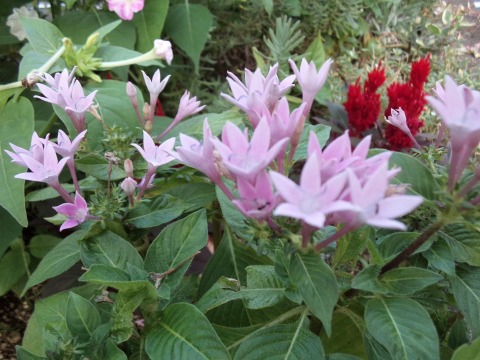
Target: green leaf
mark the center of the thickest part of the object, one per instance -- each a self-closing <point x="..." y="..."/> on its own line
<point x="176" y="338"/>
<point x="16" y="127"/>
<point x="374" y="350"/>
<point x="12" y="267"/>
<point x="42" y="35"/>
<point x="463" y="241"/>
<point x="23" y="354"/>
<point x="282" y="342"/>
<point x="97" y="166"/>
<point x="47" y="193"/>
<point x="393" y="244"/>
<point x="468" y="351"/>
<point x="466" y="290"/>
<point x="196" y="195"/>
<point x="189" y="25"/>
<point x="9" y="228"/>
<point x="408" y="280"/>
<point x="33" y="60"/>
<point x="82" y="317"/>
<point x="175" y="246"/>
<point x="223" y="291"/>
<point x="109" y="249"/>
<point x="61" y="258"/>
<point x="367" y="280"/>
<point x="316" y="51"/>
<point x="351" y="245"/>
<point x="317" y="284"/>
<point x="122" y="314"/>
<point x="403" y="327"/>
<point x="230" y="260"/>
<point x="149" y="23"/>
<point x="264" y="289"/>
<point x="440" y="257"/>
<point x="162" y="210"/>
<point x="268" y="6"/>
<point x="41" y="245"/>
<point x="348" y="329"/>
<point x="323" y="134"/>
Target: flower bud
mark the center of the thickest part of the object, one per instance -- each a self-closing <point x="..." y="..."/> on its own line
<point x="146" y="110"/>
<point x="163" y="49"/>
<point x="148" y="126"/>
<point x="129" y="185"/>
<point x="131" y="91"/>
<point x="128" y="166"/>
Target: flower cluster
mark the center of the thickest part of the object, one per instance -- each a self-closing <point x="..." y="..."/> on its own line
<point x="42" y="161"/>
<point x="67" y="92"/>
<point x="410" y="96"/>
<point x="363" y="107"/>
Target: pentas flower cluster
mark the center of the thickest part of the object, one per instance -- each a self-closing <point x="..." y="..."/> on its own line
<point x="66" y="91"/>
<point x="42" y="161"/>
<point x="337" y="185"/>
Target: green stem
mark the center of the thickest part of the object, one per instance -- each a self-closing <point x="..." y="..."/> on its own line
<point x="427" y="233"/>
<point x="135" y="60"/>
<point x="281" y="318"/>
<point x="48" y="126"/>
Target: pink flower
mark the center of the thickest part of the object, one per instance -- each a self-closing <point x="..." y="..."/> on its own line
<point x="257" y="199"/>
<point x="155" y="155"/>
<point x="372" y="206"/>
<point x="163" y="49"/>
<point x="154" y="85"/>
<point x="65" y="147"/>
<point x="459" y="108"/>
<point x="311" y="201"/>
<point x="243" y="158"/>
<point x="76" y="213"/>
<point x="198" y="154"/>
<point x="36" y="150"/>
<point x="282" y="122"/>
<point x="310" y="80"/>
<point x="399" y="120"/>
<point x="257" y="92"/>
<point x="125" y="8"/>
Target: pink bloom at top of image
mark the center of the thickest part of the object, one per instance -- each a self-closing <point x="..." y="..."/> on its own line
<point x="198" y="154"/>
<point x="155" y="155"/>
<point x="163" y="49"/>
<point x="155" y="85"/>
<point x="65" y="147"/>
<point x="36" y="150"/>
<point x="372" y="206"/>
<point x="187" y="107"/>
<point x="257" y="91"/>
<point x="125" y="8"/>
<point x="312" y="200"/>
<point x="46" y="171"/>
<point x="310" y="79"/>
<point x="76" y="213"/>
<point x="257" y="199"/>
<point x="243" y="158"/>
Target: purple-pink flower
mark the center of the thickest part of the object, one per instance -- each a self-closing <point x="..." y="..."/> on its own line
<point x="125" y="9"/>
<point x="36" y="150"/>
<point x="243" y="158"/>
<point x="155" y="155"/>
<point x="76" y="213"/>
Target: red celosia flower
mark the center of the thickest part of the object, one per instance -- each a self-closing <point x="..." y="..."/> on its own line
<point x="363" y="108"/>
<point x="409" y="96"/>
<point x="159" y="109"/>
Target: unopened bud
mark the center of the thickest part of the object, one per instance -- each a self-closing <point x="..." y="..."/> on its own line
<point x="131" y="91"/>
<point x="34" y="77"/>
<point x="128" y="166"/>
<point x="129" y="185"/>
<point x="146" y="110"/>
<point x="92" y="40"/>
<point x="148" y="126"/>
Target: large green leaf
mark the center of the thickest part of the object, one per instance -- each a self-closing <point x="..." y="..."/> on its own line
<point x="42" y="35"/>
<point x="149" y="23"/>
<point x="33" y="60"/>
<point x="393" y="244"/>
<point x="317" y="284"/>
<point x="466" y="290"/>
<point x="16" y="126"/>
<point x="468" y="351"/>
<point x="264" y="289"/>
<point x="9" y="228"/>
<point x="367" y="280"/>
<point x="175" y="246"/>
<point x="162" y="210"/>
<point x="184" y="333"/>
<point x="440" y="257"/>
<point x="282" y="342"/>
<point x="61" y="258"/>
<point x="230" y="259"/>
<point x="463" y="241"/>
<point x="321" y="131"/>
<point x="82" y="317"/>
<point x="188" y="25"/>
<point x="408" y="280"/>
<point x="13" y="265"/>
<point x="97" y="166"/>
<point x="403" y="327"/>
<point x="109" y="249"/>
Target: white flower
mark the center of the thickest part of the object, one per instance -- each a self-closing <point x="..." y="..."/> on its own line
<point x="163" y="49"/>
<point x="13" y="21"/>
